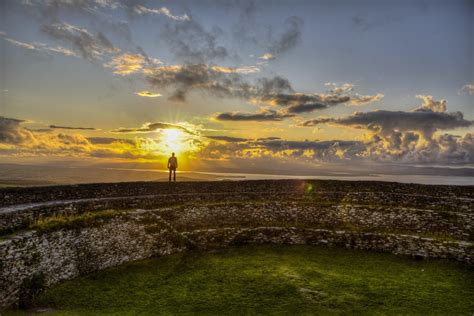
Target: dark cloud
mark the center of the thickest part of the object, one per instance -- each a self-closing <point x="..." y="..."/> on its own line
<point x="228" y="139"/>
<point x="268" y="138"/>
<point x="317" y="121"/>
<point x="230" y="83"/>
<point x="192" y="43"/>
<point x="281" y="145"/>
<point x="308" y="102"/>
<point x="11" y="132"/>
<point x="306" y="107"/>
<point x="217" y="81"/>
<point x="425" y="121"/>
<point x="271" y="86"/>
<point x="71" y="128"/>
<point x="289" y="38"/>
<point x="301" y="102"/>
<point x="290" y="99"/>
<point x="151" y="127"/>
<point x="261" y="116"/>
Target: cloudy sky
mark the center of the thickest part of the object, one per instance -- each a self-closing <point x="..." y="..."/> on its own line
<point x="238" y="85"/>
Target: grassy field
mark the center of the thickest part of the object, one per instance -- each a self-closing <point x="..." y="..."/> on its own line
<point x="289" y="280"/>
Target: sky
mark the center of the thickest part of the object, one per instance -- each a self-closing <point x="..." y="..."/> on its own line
<point x="253" y="86"/>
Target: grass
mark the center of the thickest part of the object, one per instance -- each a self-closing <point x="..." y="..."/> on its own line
<point x="61" y="221"/>
<point x="277" y="280"/>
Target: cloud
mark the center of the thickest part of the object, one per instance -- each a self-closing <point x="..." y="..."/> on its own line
<point x="192" y="43"/>
<point x="148" y="94"/>
<point x="275" y="39"/>
<point x="12" y="133"/>
<point x="218" y="81"/>
<point x="126" y="64"/>
<point x="244" y="116"/>
<point x="431" y="105"/>
<point x="358" y="99"/>
<point x="407" y="147"/>
<point x="308" y="102"/>
<point x="228" y="82"/>
<point x="108" y="140"/>
<point x="386" y="121"/>
<point x="228" y="139"/>
<point x="39" y="47"/>
<point x="411" y="136"/>
<point x="92" y="47"/>
<point x="17" y="141"/>
<point x="71" y="128"/>
<point x="151" y="127"/>
<point x="295" y="99"/>
<point x="284" y="150"/>
<point x="289" y="38"/>
<point x="431" y="116"/>
<point x="88" y="5"/>
<point x="467" y="89"/>
<point x="331" y="150"/>
<point x="306" y="107"/>
<point x="339" y="88"/>
<point x="396" y="146"/>
<point x="139" y="9"/>
<point x="303" y="102"/>
<point x="239" y="70"/>
<point x="267" y="56"/>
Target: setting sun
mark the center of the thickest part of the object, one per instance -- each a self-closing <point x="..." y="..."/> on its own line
<point x="173" y="140"/>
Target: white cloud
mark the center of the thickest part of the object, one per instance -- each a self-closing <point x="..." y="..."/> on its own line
<point x="467" y="89"/>
<point x="139" y="9"/>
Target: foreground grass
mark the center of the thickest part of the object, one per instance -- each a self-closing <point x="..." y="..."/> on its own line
<point x="270" y="280"/>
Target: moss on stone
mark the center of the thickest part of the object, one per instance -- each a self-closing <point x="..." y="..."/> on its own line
<point x="77" y="221"/>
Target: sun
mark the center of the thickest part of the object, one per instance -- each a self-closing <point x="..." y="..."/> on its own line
<point x="173" y="140"/>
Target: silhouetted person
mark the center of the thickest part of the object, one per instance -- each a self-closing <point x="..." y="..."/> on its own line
<point x="172" y="166"/>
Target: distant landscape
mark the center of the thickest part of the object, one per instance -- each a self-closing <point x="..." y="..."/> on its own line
<point x="12" y="175"/>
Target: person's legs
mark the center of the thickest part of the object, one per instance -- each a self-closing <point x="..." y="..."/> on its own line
<point x="170" y="174"/>
<point x="174" y="174"/>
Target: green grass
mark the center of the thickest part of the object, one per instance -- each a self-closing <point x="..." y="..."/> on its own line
<point x="277" y="280"/>
<point x="73" y="221"/>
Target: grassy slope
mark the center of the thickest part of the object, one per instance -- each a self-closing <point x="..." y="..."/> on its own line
<point x="271" y="280"/>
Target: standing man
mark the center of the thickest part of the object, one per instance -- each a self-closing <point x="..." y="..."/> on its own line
<point x="172" y="166"/>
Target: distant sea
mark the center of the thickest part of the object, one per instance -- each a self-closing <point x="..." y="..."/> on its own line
<point x="422" y="179"/>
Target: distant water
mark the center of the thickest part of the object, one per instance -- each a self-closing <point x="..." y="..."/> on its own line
<point x="421" y="179"/>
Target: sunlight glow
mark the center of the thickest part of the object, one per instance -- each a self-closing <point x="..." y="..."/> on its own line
<point x="173" y="140"/>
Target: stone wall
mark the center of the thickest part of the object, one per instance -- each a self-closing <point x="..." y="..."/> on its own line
<point x="46" y="258"/>
<point x="33" y="258"/>
<point x="414" y="192"/>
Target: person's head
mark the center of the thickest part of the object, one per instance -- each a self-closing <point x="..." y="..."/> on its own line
<point x="172" y="154"/>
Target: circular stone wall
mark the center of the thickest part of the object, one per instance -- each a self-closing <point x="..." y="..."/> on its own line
<point x="51" y="234"/>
